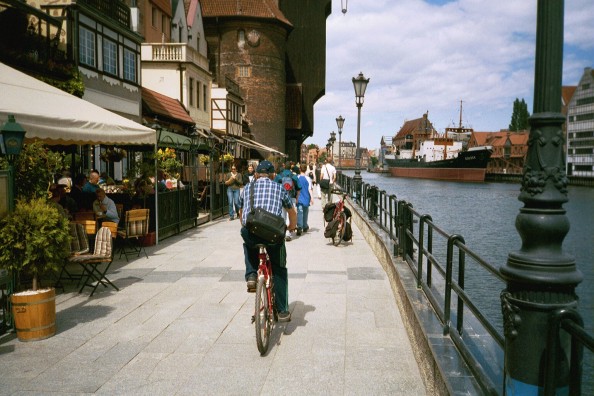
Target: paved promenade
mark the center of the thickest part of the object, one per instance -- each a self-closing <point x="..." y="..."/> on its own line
<point x="181" y="325"/>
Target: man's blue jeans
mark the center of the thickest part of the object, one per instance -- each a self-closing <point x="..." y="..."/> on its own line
<point x="302" y="216"/>
<point x="278" y="258"/>
<point x="233" y="197"/>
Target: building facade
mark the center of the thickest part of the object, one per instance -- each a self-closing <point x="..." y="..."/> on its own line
<point x="260" y="45"/>
<point x="580" y="128"/>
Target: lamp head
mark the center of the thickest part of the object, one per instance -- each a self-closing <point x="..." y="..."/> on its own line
<point x="13" y="136"/>
<point x="340" y="123"/>
<point x="360" y="84"/>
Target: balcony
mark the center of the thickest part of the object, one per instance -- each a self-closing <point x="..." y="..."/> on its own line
<point x="174" y="53"/>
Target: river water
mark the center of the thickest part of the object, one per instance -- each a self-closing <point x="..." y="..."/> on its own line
<point x="484" y="214"/>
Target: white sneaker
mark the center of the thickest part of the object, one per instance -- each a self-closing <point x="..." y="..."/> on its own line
<point x="288" y="236"/>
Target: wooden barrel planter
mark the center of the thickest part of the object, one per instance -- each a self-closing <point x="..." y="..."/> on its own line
<point x="34" y="314"/>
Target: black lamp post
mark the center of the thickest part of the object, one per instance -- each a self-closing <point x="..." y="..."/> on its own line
<point x="317" y="155"/>
<point x="332" y="141"/>
<point x="340" y="124"/>
<point x="360" y="85"/>
<point x="541" y="279"/>
<point x="13" y="136"/>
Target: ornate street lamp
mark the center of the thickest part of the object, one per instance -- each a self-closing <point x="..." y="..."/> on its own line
<point x="13" y="136"/>
<point x="541" y="279"/>
<point x="340" y="124"/>
<point x="332" y="141"/>
<point x="360" y="85"/>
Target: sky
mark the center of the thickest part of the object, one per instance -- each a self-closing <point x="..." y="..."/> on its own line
<point x="427" y="56"/>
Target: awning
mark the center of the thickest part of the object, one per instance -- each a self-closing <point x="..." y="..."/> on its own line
<point x="56" y="117"/>
<point x="259" y="146"/>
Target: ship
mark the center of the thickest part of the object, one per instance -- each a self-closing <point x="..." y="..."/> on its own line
<point x="420" y="152"/>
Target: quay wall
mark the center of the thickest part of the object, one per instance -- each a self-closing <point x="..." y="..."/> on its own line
<point x="442" y="367"/>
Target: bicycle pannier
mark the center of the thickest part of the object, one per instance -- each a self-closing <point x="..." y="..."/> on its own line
<point x="329" y="211"/>
<point x="348" y="232"/>
<point x="331" y="229"/>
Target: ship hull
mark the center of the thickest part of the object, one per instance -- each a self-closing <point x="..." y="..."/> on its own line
<point x="469" y="166"/>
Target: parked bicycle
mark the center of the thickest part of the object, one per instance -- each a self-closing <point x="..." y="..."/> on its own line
<point x="265" y="310"/>
<point x="338" y="218"/>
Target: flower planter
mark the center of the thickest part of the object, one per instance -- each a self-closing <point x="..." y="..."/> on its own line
<point x="34" y="314"/>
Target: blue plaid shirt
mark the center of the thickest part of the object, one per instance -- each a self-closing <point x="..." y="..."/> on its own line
<point x="268" y="195"/>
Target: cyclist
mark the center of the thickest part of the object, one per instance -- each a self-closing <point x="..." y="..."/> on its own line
<point x="272" y="197"/>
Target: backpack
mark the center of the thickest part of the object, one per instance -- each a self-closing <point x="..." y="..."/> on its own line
<point x="288" y="184"/>
<point x="348" y="232"/>
<point x="331" y="228"/>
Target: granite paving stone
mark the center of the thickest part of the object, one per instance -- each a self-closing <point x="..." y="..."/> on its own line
<point x="181" y="325"/>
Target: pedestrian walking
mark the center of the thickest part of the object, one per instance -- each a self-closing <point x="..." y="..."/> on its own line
<point x="304" y="201"/>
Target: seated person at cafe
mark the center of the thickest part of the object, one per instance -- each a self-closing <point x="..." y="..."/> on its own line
<point x="105" y="208"/>
<point x="56" y="193"/>
<point x="93" y="183"/>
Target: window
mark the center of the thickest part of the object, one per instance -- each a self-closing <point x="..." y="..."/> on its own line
<point x="191" y="93"/>
<point x="129" y="65"/>
<point x="585" y="101"/>
<point x="204" y="97"/>
<point x="109" y="56"/>
<point x="198" y="94"/>
<point x="244" y="71"/>
<point x="154" y="17"/>
<point x="86" y="46"/>
<point x="241" y="37"/>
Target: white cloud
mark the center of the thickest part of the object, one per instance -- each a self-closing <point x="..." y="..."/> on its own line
<point x="428" y="55"/>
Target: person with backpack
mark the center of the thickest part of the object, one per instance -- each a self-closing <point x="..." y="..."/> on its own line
<point x="304" y="201"/>
<point x="290" y="184"/>
<point x="328" y="172"/>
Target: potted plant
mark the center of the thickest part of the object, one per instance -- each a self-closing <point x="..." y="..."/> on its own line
<point x="34" y="240"/>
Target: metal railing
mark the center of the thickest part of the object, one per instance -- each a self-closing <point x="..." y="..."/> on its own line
<point x="414" y="238"/>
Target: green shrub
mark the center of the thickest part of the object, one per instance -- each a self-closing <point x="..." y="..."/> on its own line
<point x="34" y="238"/>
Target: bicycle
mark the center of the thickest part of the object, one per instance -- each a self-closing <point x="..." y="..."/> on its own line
<point x="340" y="216"/>
<point x="265" y="310"/>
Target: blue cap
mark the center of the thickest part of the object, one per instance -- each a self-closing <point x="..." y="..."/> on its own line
<point x="265" y="167"/>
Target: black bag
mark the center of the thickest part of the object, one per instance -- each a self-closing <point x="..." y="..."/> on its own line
<point x="331" y="229"/>
<point x="325" y="184"/>
<point x="329" y="211"/>
<point x="348" y="232"/>
<point x="264" y="224"/>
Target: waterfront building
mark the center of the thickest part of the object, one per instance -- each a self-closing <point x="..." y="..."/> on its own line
<point x="412" y="133"/>
<point x="509" y="150"/>
<point x="580" y="128"/>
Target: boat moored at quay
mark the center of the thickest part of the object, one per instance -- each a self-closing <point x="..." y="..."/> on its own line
<point x="420" y="152"/>
<point x="469" y="165"/>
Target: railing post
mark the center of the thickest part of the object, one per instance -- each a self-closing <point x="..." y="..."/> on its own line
<point x="540" y="277"/>
<point x="448" y="285"/>
<point x="422" y="221"/>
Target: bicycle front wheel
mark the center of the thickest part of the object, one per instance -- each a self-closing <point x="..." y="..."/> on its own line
<point x="340" y="231"/>
<point x="262" y="320"/>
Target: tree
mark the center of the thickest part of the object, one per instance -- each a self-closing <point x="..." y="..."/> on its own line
<point x="520" y="115"/>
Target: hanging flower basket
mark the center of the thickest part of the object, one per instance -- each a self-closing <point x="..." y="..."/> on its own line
<point x="113" y="154"/>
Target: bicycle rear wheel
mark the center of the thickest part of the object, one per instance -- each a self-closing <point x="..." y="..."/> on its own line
<point x="263" y="322"/>
<point x="340" y="231"/>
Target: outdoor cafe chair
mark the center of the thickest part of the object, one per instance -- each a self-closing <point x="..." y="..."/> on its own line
<point x="92" y="263"/>
<point x="79" y="244"/>
<point x="136" y="227"/>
